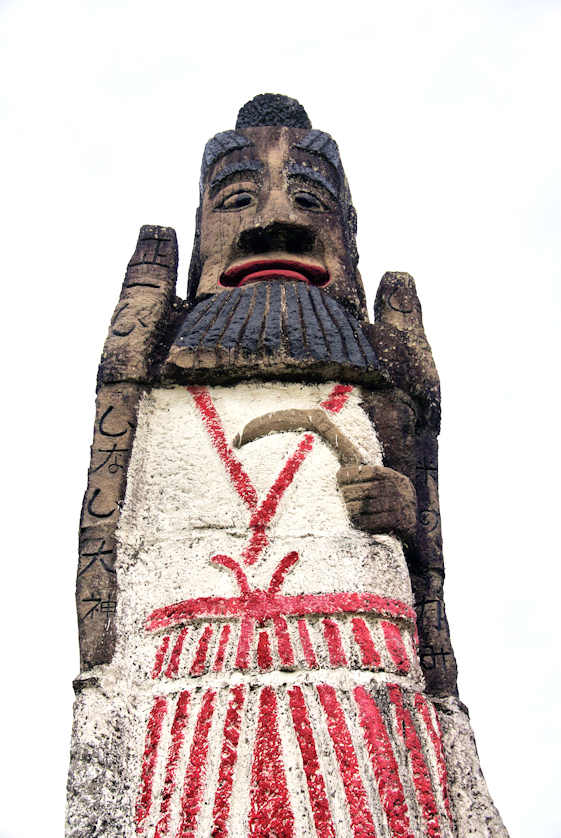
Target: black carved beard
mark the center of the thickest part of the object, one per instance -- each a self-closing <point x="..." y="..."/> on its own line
<point x="271" y="329"/>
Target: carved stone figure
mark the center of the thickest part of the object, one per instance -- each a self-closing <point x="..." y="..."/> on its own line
<point x="264" y="643"/>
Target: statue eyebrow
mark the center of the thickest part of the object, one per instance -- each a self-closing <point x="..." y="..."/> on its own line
<point x="235" y="168"/>
<point x="297" y="169"/>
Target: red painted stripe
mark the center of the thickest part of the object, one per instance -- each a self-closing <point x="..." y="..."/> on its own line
<point x="173" y="665"/>
<point x="384" y="764"/>
<point x="264" y="657"/>
<point x="160" y="655"/>
<point x="279" y="575"/>
<point x="335" y="649"/>
<point x="396" y="647"/>
<point x="361" y="818"/>
<point x="212" y="422"/>
<point x="421" y="776"/>
<point x="263" y="515"/>
<point x="177" y="733"/>
<point x="306" y="642"/>
<point x="284" y="645"/>
<point x="228" y="759"/>
<point x="314" y="778"/>
<point x="221" y="651"/>
<point x="337" y="399"/>
<point x="421" y="706"/>
<point x="270" y="811"/>
<point x="257" y="543"/>
<point x="149" y="759"/>
<point x="198" y="666"/>
<point x="262" y="605"/>
<point x="195" y="774"/>
<point x="370" y="656"/>
<point x="244" y="643"/>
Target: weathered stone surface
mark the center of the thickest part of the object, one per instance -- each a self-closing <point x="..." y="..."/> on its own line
<point x="435" y="648"/>
<point x="96" y="583"/>
<point x="473" y="810"/>
<point x="427" y="573"/>
<point x="396" y="416"/>
<point x="429" y="533"/>
<point x="100" y="794"/>
<point x="399" y="340"/>
<point x="141" y="319"/>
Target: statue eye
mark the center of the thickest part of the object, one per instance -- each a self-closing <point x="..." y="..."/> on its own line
<point x="236" y="201"/>
<point x="307" y="201"/>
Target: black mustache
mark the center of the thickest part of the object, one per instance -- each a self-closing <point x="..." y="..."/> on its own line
<point x="289" y="238"/>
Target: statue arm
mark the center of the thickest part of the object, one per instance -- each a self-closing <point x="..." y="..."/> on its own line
<point x="407" y="419"/>
<point x="137" y="336"/>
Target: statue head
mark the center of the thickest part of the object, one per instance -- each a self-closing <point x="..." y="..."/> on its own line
<point x="275" y="205"/>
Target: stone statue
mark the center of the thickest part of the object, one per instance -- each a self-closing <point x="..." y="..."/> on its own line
<point x="264" y="643"/>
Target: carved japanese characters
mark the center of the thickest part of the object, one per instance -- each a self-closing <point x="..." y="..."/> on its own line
<point x="137" y="329"/>
<point x="265" y="650"/>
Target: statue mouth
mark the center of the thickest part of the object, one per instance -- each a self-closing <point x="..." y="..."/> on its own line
<point x="258" y="270"/>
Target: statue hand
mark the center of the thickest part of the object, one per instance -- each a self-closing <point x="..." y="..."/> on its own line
<point x="399" y="339"/>
<point x="379" y="500"/>
<point x="139" y="323"/>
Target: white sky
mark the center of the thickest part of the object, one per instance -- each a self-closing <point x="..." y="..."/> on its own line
<point x="448" y="119"/>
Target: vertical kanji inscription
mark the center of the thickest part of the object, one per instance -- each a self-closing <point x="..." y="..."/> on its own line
<point x="137" y="328"/>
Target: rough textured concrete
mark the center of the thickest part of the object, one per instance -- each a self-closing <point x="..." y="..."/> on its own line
<point x="141" y="318"/>
<point x="100" y="789"/>
<point x="472" y="807"/>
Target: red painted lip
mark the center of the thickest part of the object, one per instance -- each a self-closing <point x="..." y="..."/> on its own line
<point x="260" y="269"/>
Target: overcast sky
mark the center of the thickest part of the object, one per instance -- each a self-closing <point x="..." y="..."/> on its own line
<point x="447" y="115"/>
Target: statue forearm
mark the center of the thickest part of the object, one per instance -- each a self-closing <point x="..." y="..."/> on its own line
<point x="138" y="326"/>
<point x="407" y="420"/>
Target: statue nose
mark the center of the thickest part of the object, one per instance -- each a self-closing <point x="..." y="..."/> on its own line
<point x="278" y="236"/>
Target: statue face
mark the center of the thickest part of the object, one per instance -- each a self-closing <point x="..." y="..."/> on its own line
<point x="271" y="211"/>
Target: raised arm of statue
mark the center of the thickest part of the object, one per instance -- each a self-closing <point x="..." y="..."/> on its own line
<point x="407" y="417"/>
<point x="137" y="333"/>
